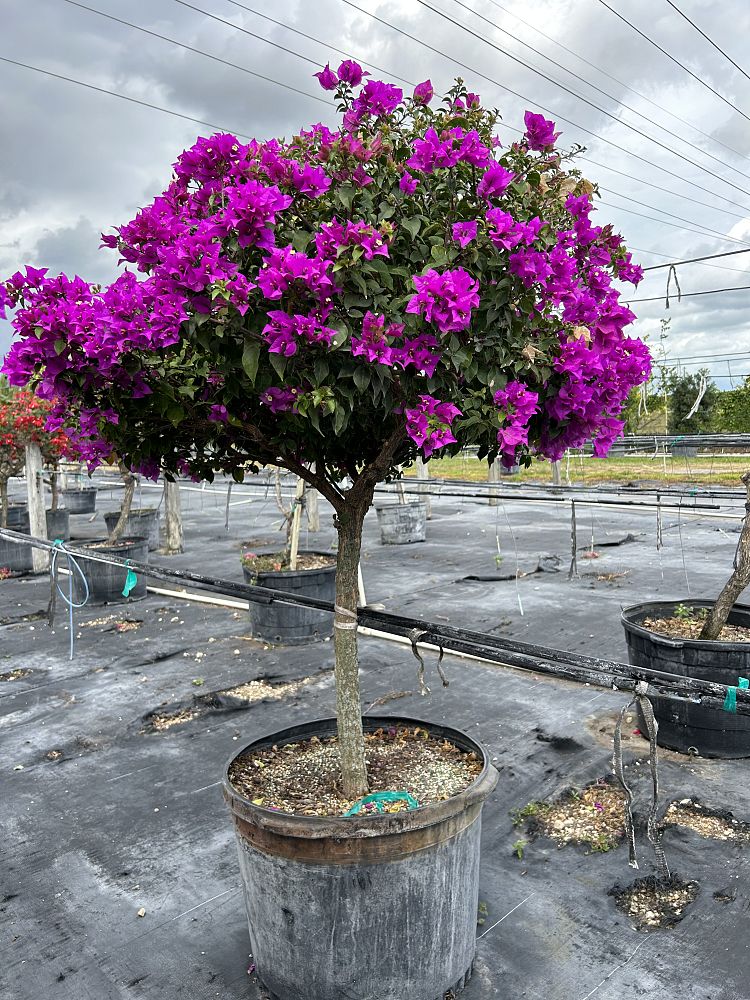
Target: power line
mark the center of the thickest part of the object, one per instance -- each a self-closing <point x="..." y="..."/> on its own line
<point x="200" y="52"/>
<point x="523" y="97"/>
<point x="690" y="222"/>
<point x="676" y="61"/>
<point x="709" y="40"/>
<point x="620" y="83"/>
<point x="691" y="260"/>
<point x="320" y="41"/>
<point x="688" y="295"/>
<point x="593" y="86"/>
<point x="585" y="100"/>
<point x="672" y="225"/>
<point x="123" y="97"/>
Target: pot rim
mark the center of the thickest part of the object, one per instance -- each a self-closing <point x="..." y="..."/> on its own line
<point x="717" y="645"/>
<point x="292" y="572"/>
<point x="80" y="489"/>
<point x="127" y="542"/>
<point x="369" y="825"/>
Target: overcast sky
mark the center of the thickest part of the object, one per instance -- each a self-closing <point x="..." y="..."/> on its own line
<point x="75" y="162"/>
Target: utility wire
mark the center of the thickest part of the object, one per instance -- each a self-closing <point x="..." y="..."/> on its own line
<point x="523" y="97"/>
<point x="654" y="208"/>
<point x="682" y="66"/>
<point x="673" y="225"/>
<point x="593" y="86"/>
<point x="124" y="97"/>
<point x="620" y="83"/>
<point x="200" y="52"/>
<point x="688" y="295"/>
<point x="709" y="40"/>
<point x="691" y="260"/>
<point x="585" y="100"/>
<point x="321" y="41"/>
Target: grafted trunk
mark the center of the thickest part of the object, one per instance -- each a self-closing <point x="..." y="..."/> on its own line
<point x="127" y="502"/>
<point x="3" y="502"/>
<point x="54" y="486"/>
<point x="737" y="582"/>
<point x="348" y="699"/>
<point x="173" y="537"/>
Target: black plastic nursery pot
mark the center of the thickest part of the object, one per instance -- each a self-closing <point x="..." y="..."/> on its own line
<point x="402" y="523"/>
<point x="58" y="524"/>
<point x="106" y="582"/>
<point x="374" y="907"/>
<point x="16" y="558"/>
<point x="141" y="523"/>
<point x="80" y="501"/>
<point x="683" y="725"/>
<point x="18" y="516"/>
<point x="283" y="623"/>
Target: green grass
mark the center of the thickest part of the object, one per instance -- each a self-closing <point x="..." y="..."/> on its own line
<point x="706" y="470"/>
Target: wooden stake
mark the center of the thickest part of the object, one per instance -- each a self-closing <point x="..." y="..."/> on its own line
<point x="37" y="505"/>
<point x="493" y="476"/>
<point x="423" y="472"/>
<point x="296" y="521"/>
<point x="173" y="535"/>
<point x="312" y="507"/>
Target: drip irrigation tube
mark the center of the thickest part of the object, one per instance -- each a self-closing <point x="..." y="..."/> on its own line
<point x="525" y="656"/>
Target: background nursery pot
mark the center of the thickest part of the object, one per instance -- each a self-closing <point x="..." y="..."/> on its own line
<point x="106" y="582"/>
<point x="81" y="501"/>
<point x="13" y="557"/>
<point x="282" y="623"/>
<point x="402" y="523"/>
<point x="141" y="523"/>
<point x="683" y="725"/>
<point x="376" y="907"/>
<point x="18" y="516"/>
<point x="58" y="523"/>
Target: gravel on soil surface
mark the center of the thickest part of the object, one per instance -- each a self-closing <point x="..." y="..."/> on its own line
<point x="706" y="822"/>
<point x="652" y="902"/>
<point x="278" y="562"/>
<point x="593" y="816"/>
<point x="690" y="628"/>
<point x="303" y="778"/>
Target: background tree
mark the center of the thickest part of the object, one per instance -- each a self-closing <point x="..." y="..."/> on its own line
<point x="733" y="410"/>
<point x="683" y="389"/>
<point x="348" y="300"/>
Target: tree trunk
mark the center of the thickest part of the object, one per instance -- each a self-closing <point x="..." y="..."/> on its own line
<point x="556" y="480"/>
<point x="348" y="701"/>
<point x="127" y="502"/>
<point x="3" y="502"/>
<point x="173" y="537"/>
<point x="312" y="506"/>
<point x="37" y="505"/>
<point x="423" y="472"/>
<point x="493" y="476"/>
<point x="54" y="486"/>
<point x="740" y="578"/>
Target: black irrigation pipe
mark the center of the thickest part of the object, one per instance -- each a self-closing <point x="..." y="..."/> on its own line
<point x="692" y="492"/>
<point x="485" y="494"/>
<point x="525" y="656"/>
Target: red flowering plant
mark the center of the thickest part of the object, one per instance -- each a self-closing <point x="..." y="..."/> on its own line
<point x="23" y="421"/>
<point x="347" y="300"/>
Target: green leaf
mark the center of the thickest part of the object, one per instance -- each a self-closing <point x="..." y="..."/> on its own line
<point x="238" y="475"/>
<point x="60" y="346"/>
<point x="412" y="226"/>
<point x="361" y="378"/>
<point x="300" y="240"/>
<point x="250" y="358"/>
<point x="339" y="420"/>
<point x="345" y="195"/>
<point x="321" y="369"/>
<point x="439" y="255"/>
<point x="278" y="363"/>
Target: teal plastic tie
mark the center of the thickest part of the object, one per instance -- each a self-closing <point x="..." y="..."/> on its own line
<point x="130" y="580"/>
<point x="730" y="702"/>
<point x="378" y="798"/>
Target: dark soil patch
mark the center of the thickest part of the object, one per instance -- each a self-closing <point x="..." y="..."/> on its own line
<point x="15" y="675"/>
<point x="277" y="562"/>
<point x="713" y="824"/>
<point x="594" y="816"/>
<point x="304" y="778"/>
<point x="689" y="627"/>
<point x="652" y="903"/>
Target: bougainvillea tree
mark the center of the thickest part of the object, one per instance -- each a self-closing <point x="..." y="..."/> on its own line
<point x="349" y="300"/>
<point x="23" y="421"/>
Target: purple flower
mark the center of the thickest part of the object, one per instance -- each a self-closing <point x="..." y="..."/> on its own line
<point x="472" y="100"/>
<point x="279" y="400"/>
<point x="218" y="413"/>
<point x="423" y="92"/>
<point x="308" y="180"/>
<point x="429" y="424"/>
<point x="540" y="132"/>
<point x="464" y="232"/>
<point x="418" y="352"/>
<point x="408" y="183"/>
<point x="5" y="300"/>
<point x="327" y="78"/>
<point x="373" y="344"/>
<point x="446" y="299"/>
<point x="518" y="405"/>
<point x="494" y="181"/>
<point x="376" y="98"/>
<point x="350" y="72"/>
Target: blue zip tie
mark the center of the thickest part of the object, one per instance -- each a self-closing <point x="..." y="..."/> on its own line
<point x="73" y="568"/>
<point x="378" y="798"/>
<point x="730" y="702"/>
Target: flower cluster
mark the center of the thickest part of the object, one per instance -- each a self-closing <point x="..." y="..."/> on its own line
<point x="311" y="297"/>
